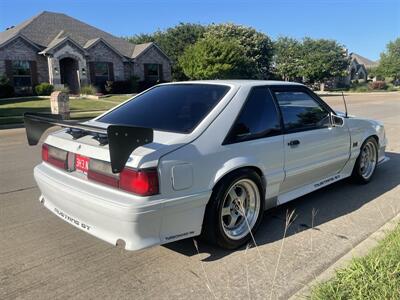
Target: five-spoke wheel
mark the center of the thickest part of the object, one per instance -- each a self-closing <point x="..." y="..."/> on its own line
<point x="235" y="209"/>
<point x="240" y="209"/>
<point x="366" y="162"/>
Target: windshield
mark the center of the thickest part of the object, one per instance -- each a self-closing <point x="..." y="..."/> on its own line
<point x="177" y="108"/>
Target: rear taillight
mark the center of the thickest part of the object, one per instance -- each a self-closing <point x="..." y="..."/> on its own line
<point x="45" y="152"/>
<point x="55" y="156"/>
<point x="141" y="182"/>
<point x="100" y="171"/>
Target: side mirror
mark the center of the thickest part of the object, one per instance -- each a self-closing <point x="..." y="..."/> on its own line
<point x="337" y="121"/>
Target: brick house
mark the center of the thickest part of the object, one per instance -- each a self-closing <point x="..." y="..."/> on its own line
<point x="359" y="65"/>
<point x="356" y="71"/>
<point x="55" y="48"/>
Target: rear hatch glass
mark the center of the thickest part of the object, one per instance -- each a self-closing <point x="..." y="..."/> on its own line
<point x="176" y="108"/>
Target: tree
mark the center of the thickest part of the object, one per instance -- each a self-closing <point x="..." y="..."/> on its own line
<point x="173" y="42"/>
<point x="212" y="58"/>
<point x="141" y="38"/>
<point x="257" y="46"/>
<point x="389" y="64"/>
<point x="288" y="56"/>
<point x="323" y="60"/>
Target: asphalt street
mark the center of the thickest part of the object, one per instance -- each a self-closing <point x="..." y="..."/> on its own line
<point x="43" y="257"/>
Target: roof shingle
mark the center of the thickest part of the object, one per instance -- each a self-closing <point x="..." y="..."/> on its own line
<point x="48" y="28"/>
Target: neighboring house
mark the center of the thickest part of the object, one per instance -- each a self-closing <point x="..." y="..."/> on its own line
<point x="359" y="65"/>
<point x="55" y="48"/>
<point x="357" y="70"/>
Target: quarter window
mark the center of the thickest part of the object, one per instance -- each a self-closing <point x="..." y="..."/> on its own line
<point x="173" y="107"/>
<point x="22" y="77"/>
<point x="257" y="119"/>
<point x="301" y="112"/>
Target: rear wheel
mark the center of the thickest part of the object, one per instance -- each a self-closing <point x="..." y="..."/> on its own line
<point x="366" y="162"/>
<point x="235" y="208"/>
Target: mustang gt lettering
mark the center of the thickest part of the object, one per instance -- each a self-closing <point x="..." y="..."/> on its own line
<point x="198" y="158"/>
<point x="71" y="219"/>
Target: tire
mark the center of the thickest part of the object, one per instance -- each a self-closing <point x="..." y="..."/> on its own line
<point x="366" y="162"/>
<point x="220" y="226"/>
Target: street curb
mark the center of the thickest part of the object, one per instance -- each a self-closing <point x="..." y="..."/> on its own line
<point x="362" y="249"/>
<point x="354" y="93"/>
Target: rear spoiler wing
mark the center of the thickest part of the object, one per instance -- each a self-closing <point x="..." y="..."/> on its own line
<point x="122" y="140"/>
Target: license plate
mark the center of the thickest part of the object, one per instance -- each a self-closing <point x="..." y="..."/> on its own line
<point x="81" y="163"/>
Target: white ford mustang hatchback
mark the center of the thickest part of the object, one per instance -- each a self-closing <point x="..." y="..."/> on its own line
<point x="198" y="158"/>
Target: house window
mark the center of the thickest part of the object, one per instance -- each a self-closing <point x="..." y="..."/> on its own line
<point x="152" y="72"/>
<point x="22" y="77"/>
<point x="101" y="73"/>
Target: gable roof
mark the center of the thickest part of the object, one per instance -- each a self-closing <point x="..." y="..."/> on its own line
<point x="48" y="28"/>
<point x="363" y="60"/>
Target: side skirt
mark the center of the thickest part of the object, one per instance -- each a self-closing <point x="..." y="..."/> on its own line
<point x="286" y="197"/>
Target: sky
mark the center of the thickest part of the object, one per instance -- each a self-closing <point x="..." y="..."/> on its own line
<point x="363" y="26"/>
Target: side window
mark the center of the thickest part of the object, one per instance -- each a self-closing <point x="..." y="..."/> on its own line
<point x="301" y="112"/>
<point x="258" y="118"/>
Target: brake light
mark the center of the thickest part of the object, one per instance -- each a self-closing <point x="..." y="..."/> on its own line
<point x="141" y="182"/>
<point x="100" y="171"/>
<point x="54" y="156"/>
<point x="45" y="152"/>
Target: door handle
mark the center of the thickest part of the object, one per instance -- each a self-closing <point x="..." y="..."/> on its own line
<point x="294" y="143"/>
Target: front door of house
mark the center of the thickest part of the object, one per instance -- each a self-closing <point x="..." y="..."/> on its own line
<point x="69" y="74"/>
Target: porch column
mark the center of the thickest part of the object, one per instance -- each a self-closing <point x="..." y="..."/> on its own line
<point x="83" y="72"/>
<point x="54" y="70"/>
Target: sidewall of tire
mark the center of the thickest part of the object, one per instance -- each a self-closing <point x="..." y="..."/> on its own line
<point x="356" y="175"/>
<point x="212" y="225"/>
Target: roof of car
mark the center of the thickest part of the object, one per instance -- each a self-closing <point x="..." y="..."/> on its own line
<point x="241" y="82"/>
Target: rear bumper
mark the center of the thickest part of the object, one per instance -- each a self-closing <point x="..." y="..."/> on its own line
<point x="113" y="215"/>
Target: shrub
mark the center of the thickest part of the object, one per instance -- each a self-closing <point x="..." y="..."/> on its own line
<point x="6" y="89"/>
<point x="44" y="89"/>
<point x="118" y="87"/>
<point x="359" y="87"/>
<point x="88" y="90"/>
<point x="144" y="85"/>
<point x="60" y="88"/>
<point x="122" y="87"/>
<point x="377" y="85"/>
<point x="134" y="84"/>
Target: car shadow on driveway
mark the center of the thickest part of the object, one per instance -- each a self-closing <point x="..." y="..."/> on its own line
<point x="331" y="202"/>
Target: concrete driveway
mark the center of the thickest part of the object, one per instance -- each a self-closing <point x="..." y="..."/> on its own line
<point x="42" y="257"/>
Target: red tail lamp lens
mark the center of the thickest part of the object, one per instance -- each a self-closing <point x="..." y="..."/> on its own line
<point x="100" y="171"/>
<point x="141" y="182"/>
<point x="45" y="152"/>
<point x="54" y="156"/>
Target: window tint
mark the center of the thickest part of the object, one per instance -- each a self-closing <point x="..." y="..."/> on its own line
<point x="177" y="108"/>
<point x="258" y="117"/>
<point x="301" y="112"/>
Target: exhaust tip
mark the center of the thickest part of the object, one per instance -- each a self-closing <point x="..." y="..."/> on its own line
<point x="120" y="244"/>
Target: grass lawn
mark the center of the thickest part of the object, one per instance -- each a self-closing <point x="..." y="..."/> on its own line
<point x="375" y="276"/>
<point x="11" y="111"/>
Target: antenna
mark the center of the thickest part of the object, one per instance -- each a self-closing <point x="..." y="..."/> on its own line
<point x="345" y="105"/>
